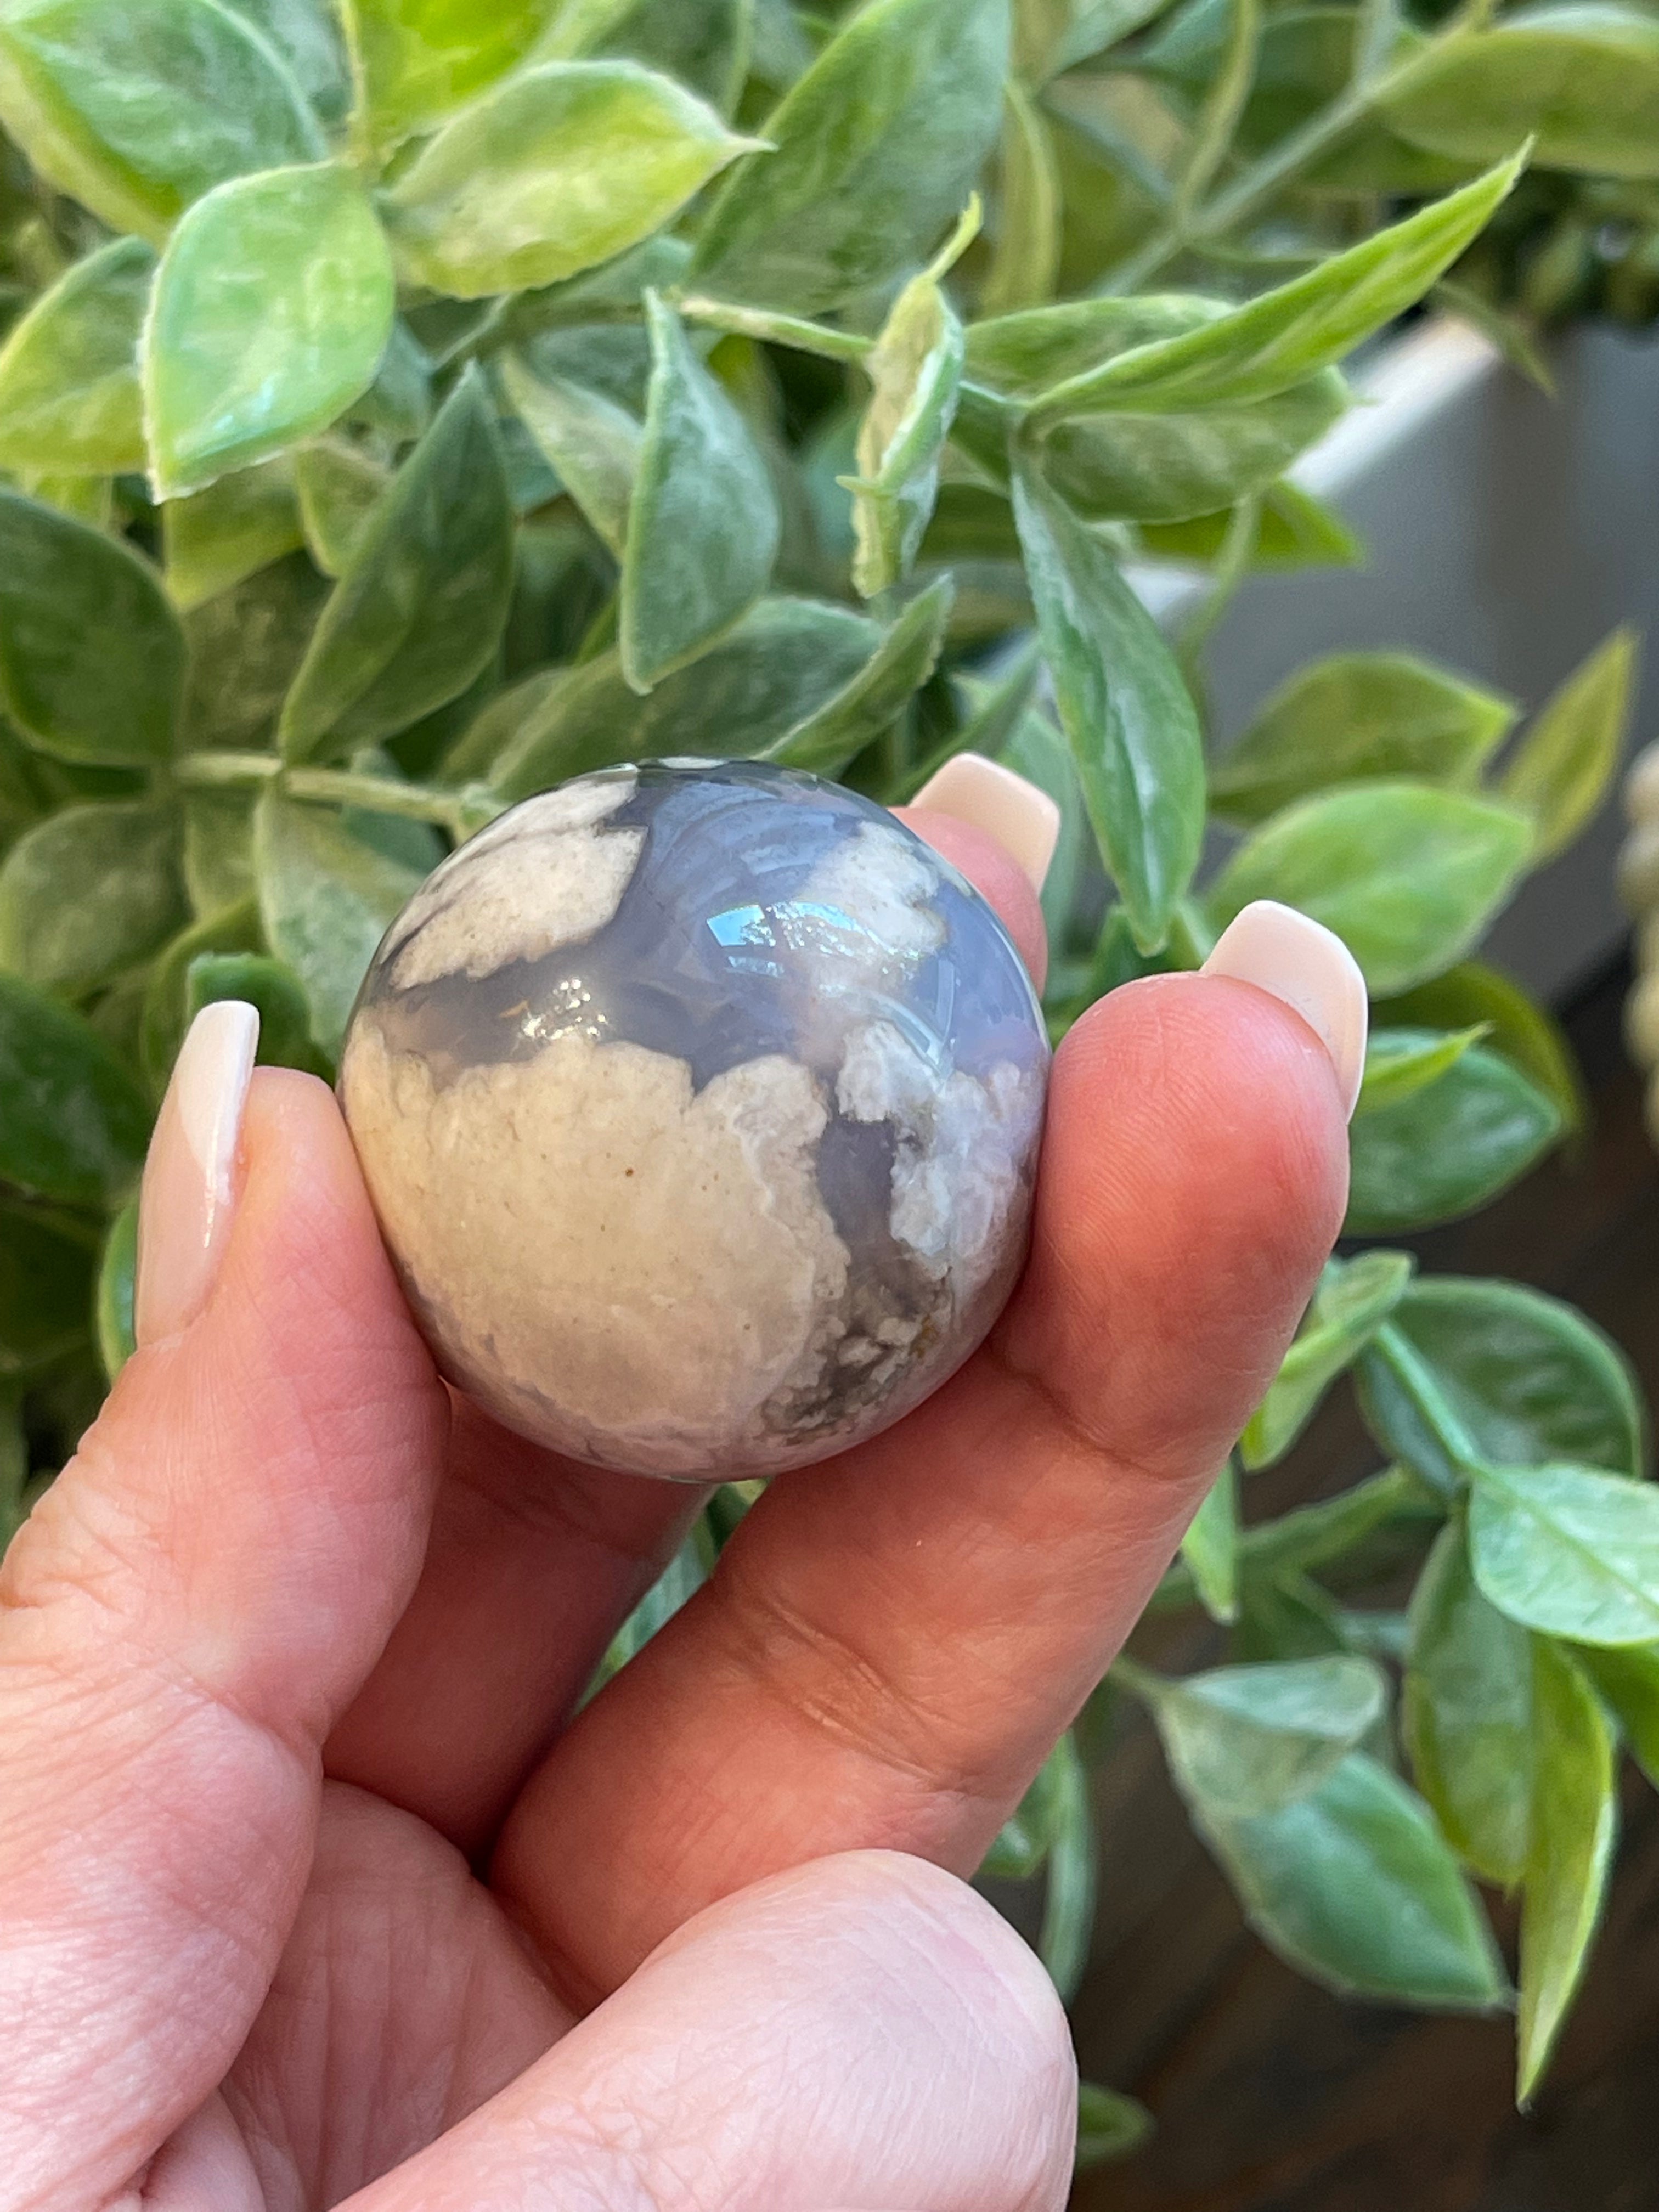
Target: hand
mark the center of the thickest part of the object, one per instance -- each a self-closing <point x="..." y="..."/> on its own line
<point x="311" y="1887"/>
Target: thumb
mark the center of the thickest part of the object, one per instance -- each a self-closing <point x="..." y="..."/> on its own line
<point x="862" y="2030"/>
<point x="187" y="1610"/>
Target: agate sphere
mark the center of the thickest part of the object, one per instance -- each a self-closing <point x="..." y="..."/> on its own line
<point x="700" y="1104"/>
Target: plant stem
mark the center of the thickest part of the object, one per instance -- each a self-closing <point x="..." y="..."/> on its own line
<point x="459" y="812"/>
<point x="1260" y="184"/>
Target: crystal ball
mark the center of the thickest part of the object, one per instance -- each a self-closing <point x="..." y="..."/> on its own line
<point x="700" y="1104"/>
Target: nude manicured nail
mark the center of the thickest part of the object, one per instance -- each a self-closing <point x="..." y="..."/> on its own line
<point x="1311" y="969"/>
<point x="189" y="1191"/>
<point x="1025" y="821"/>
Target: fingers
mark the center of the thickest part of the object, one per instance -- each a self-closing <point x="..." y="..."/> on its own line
<point x="183" y="1617"/>
<point x="862" y="2031"/>
<point x="533" y="1560"/>
<point x="893" y="1641"/>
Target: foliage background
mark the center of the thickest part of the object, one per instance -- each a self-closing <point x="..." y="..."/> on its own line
<point x="405" y="408"/>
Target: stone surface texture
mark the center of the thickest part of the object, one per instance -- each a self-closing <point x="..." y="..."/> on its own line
<point x="700" y="1104"/>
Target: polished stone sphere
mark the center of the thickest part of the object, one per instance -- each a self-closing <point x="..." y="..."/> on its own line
<point x="700" y="1104"/>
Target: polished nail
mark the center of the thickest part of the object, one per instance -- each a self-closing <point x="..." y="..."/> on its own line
<point x="189" y="1191"/>
<point x="1025" y="821"/>
<point x="1308" y="966"/>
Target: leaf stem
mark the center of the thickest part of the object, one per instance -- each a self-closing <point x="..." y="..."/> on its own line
<point x="461" y="812"/>
<point x="780" y="330"/>
<point x="1257" y="186"/>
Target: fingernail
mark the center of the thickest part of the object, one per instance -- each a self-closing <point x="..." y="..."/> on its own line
<point x="185" y="1203"/>
<point x="1025" y="821"/>
<point x="1311" y="969"/>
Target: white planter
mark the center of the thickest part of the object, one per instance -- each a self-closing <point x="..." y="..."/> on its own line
<point x="1507" y="534"/>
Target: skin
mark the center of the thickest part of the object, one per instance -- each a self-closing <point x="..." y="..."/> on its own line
<point x="313" y="1890"/>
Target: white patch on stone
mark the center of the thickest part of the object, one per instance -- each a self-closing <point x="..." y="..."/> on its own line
<point x="578" y="805"/>
<point x="881" y="882"/>
<point x="529" y="898"/>
<point x="548" y="824"/>
<point x="628" y="1269"/>
<point x="962" y="1143"/>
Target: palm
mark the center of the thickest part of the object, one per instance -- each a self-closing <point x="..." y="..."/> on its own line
<point x="402" y="2001"/>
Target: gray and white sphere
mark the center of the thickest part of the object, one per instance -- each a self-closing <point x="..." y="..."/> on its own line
<point x="700" y="1104"/>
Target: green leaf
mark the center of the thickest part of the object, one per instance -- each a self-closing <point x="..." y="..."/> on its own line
<point x="1210" y="1547"/>
<point x="45" y="1288"/>
<point x="1312" y="323"/>
<point x="1019" y="357"/>
<point x="1245" y="1741"/>
<point x="1515" y="1377"/>
<point x="1168" y="465"/>
<point x="218" y="849"/>
<point x="92" y="658"/>
<point x="703" y="44"/>
<point x="1294" y="531"/>
<point x="1523" y="1032"/>
<point x="73" y="1122"/>
<point x="68" y="379"/>
<point x="833" y="733"/>
<point x="307" y="35"/>
<point x="137" y="111"/>
<point x="1153" y="465"/>
<point x="679" y="1581"/>
<point x="1126" y="713"/>
<point x="1285" y="1616"/>
<point x="325" y="900"/>
<point x="1467" y="1714"/>
<point x="1068" y="1906"/>
<point x="1561" y="771"/>
<point x="1569" y="1550"/>
<point x="1408" y="876"/>
<point x="112" y="1309"/>
<point x="1110" y="2126"/>
<point x="217" y="537"/>
<point x="1575" y="1828"/>
<point x="1027" y="1836"/>
<point x="338" y="488"/>
<point x="416" y="61"/>
<point x="1442" y="1153"/>
<point x="1628" y="1680"/>
<point x="786" y="659"/>
<point x="1035" y="749"/>
<point x="124" y="860"/>
<point x="273" y="306"/>
<point x="1354" y="716"/>
<point x="561" y="167"/>
<point x="915" y="367"/>
<point x="284" y="1009"/>
<point x="1354" y="1298"/>
<point x="877" y="147"/>
<point x="420" y="607"/>
<point x="702" y="524"/>
<point x="1400" y="1062"/>
<point x="162" y="1030"/>
<point x="1030" y="208"/>
<point x="1582" y="81"/>
<point x="245" y="646"/>
<point x="1354" y="1886"/>
<point x="592" y="445"/>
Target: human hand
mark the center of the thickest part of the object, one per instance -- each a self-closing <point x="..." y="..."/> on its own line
<point x="293" y="1646"/>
